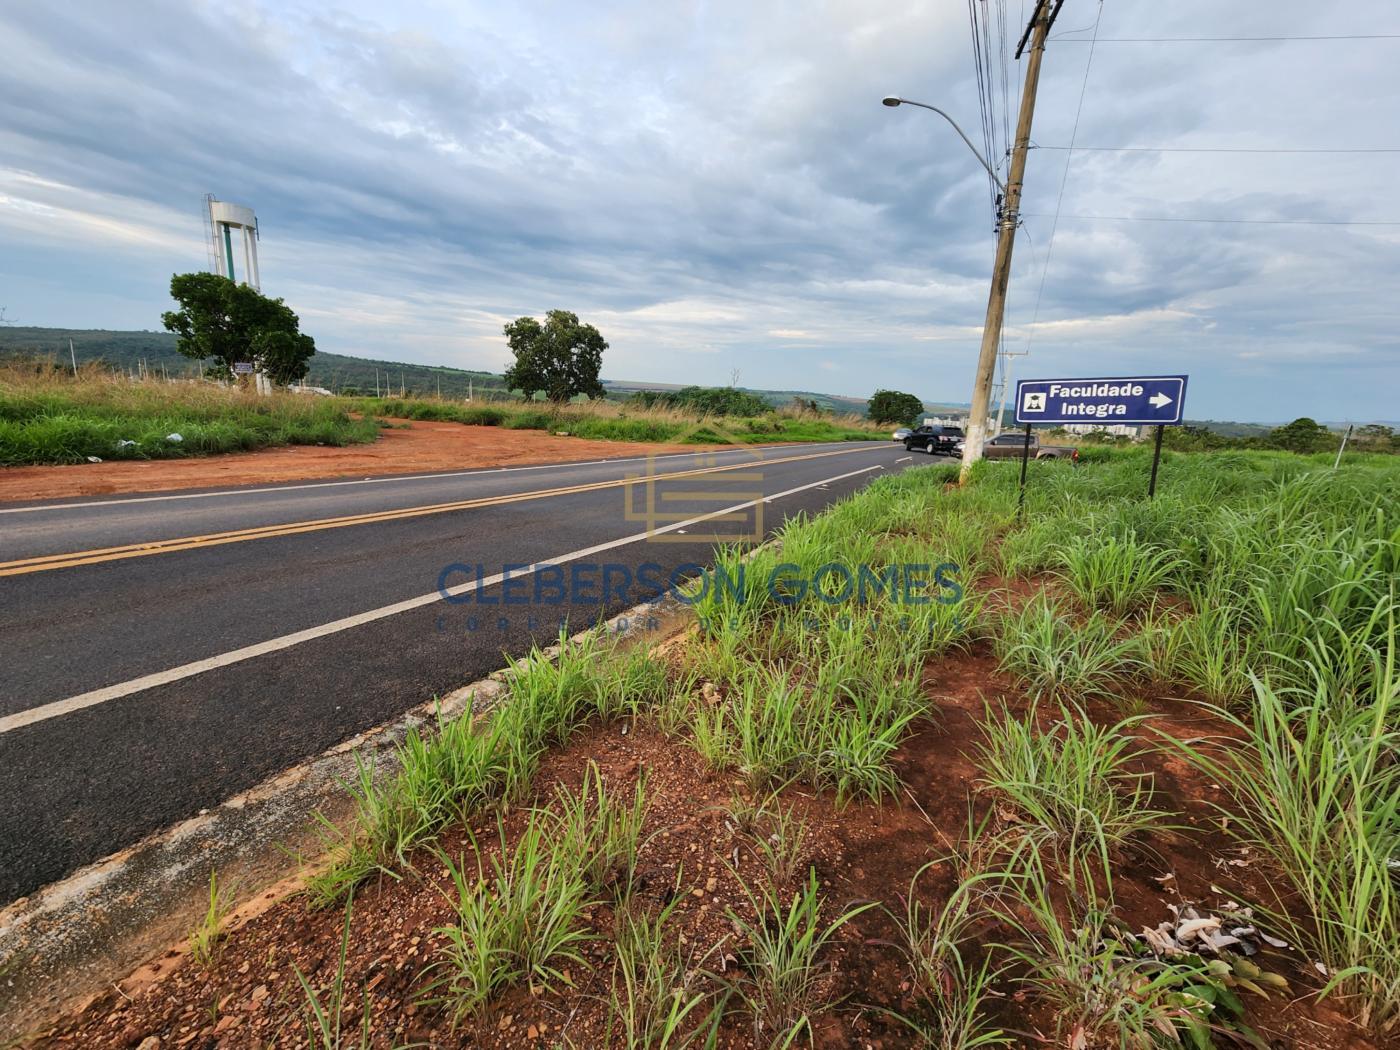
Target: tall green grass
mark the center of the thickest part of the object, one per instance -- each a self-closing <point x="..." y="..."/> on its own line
<point x="1075" y="787"/>
<point x="1260" y="586"/>
<point x="607" y="420"/>
<point x="783" y="959"/>
<point x="58" y="419"/>
<point x="469" y="763"/>
<point x="1315" y="788"/>
<point x="1055" y="656"/>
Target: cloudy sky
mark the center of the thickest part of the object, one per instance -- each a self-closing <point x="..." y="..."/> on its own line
<point x="717" y="187"/>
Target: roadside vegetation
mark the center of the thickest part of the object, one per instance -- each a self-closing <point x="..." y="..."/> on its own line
<point x="1303" y="435"/>
<point x="50" y="416"/>
<point x="1131" y="783"/>
<point x="633" y="421"/>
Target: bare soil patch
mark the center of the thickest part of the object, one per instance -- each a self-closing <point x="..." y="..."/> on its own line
<point x="252" y="998"/>
<point x="406" y="448"/>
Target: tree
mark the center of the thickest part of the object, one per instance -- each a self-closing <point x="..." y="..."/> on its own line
<point x="1302" y="435"/>
<point x="230" y="322"/>
<point x="892" y="406"/>
<point x="1376" y="437"/>
<point x="561" y="358"/>
<point x="1194" y="439"/>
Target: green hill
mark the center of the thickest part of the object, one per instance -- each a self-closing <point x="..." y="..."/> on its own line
<point x="155" y="352"/>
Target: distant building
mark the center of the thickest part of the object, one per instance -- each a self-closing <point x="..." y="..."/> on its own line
<point x="1110" y="429"/>
<point x="943" y="421"/>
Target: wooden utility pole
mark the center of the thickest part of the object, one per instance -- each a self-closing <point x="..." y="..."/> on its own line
<point x="1041" y="20"/>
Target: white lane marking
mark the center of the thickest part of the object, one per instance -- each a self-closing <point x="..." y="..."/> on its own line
<point x="700" y="451"/>
<point x="905" y="459"/>
<point x="57" y="708"/>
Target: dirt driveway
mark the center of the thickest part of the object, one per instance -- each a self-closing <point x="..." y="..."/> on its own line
<point x="421" y="447"/>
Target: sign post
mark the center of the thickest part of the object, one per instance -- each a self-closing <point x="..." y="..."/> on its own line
<point x="1131" y="400"/>
<point x="1156" y="458"/>
<point x="1025" y="455"/>
<point x="241" y="371"/>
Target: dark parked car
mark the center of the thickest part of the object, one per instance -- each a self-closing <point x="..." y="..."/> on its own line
<point x="935" y="440"/>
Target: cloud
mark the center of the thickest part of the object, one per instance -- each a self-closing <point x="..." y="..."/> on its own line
<point x="715" y="186"/>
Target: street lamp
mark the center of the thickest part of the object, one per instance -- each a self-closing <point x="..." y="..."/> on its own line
<point x="1001" y="272"/>
<point x="1007" y="218"/>
<point x="895" y="100"/>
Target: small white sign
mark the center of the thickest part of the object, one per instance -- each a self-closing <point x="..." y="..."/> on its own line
<point x="243" y="368"/>
<point x="1034" y="401"/>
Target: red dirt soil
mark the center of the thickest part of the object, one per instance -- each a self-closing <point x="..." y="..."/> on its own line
<point x="419" y="447"/>
<point x="863" y="852"/>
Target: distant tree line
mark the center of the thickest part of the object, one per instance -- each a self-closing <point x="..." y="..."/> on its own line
<point x="1304" y="436"/>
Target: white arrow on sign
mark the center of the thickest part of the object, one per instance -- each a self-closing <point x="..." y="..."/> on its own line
<point x="1159" y="401"/>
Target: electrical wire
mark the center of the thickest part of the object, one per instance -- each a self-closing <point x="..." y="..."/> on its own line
<point x="986" y="88"/>
<point x="1064" y="178"/>
<point x="1224" y="39"/>
<point x="1219" y="149"/>
<point x="1249" y="222"/>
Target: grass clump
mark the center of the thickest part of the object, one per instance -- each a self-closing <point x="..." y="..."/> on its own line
<point x="604" y="829"/>
<point x="1314" y="787"/>
<point x="323" y="1013"/>
<point x="1104" y="995"/>
<point x="951" y="992"/>
<point x="207" y="937"/>
<point x="519" y="916"/>
<point x="1118" y="575"/>
<point x="1072" y="786"/>
<point x="469" y="763"/>
<point x="783" y="960"/>
<point x="1056" y="658"/>
<point x="660" y="998"/>
<point x="776" y="834"/>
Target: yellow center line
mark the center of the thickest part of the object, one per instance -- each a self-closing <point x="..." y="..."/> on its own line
<point x="43" y="563"/>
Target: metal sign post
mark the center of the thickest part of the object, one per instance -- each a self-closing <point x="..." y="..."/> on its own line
<point x="1156" y="458"/>
<point x="1025" y="456"/>
<point x="1157" y="401"/>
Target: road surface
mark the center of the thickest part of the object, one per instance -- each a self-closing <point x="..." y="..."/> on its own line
<point x="164" y="652"/>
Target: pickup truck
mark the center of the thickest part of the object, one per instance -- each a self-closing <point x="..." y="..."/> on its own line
<point x="935" y="440"/>
<point x="1009" y="446"/>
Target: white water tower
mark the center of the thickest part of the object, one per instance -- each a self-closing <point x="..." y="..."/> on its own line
<point x="221" y="219"/>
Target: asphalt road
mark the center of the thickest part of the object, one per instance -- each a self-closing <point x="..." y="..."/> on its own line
<point x="162" y="653"/>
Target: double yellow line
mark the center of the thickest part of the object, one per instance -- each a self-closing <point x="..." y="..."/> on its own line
<point x="43" y="563"/>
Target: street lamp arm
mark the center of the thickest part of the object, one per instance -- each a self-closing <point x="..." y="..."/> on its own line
<point x="896" y="101"/>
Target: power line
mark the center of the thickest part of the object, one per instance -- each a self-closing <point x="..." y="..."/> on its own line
<point x="1252" y="222"/>
<point x="983" y="65"/>
<point x="1222" y="39"/>
<point x="1219" y="149"/>
<point x="1064" y="177"/>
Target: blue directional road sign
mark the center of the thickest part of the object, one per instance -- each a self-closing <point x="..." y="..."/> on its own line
<point x="1133" y="399"/>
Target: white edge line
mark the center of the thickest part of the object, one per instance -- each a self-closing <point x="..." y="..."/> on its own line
<point x="701" y="450"/>
<point x="57" y="708"/>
